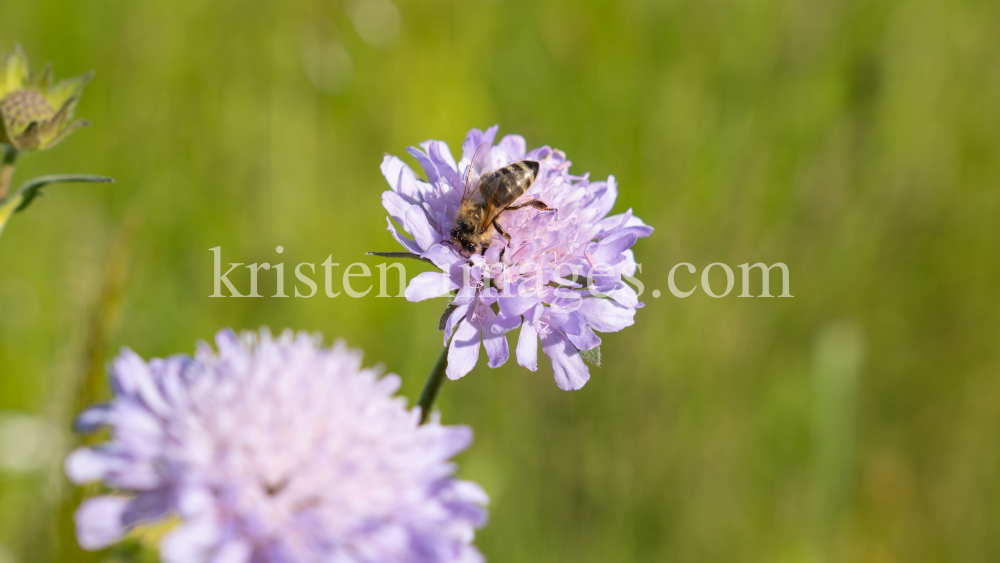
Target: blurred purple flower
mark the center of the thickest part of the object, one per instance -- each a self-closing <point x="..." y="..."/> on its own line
<point x="275" y="450"/>
<point x="531" y="283"/>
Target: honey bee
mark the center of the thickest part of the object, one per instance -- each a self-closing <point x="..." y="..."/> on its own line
<point x="488" y="194"/>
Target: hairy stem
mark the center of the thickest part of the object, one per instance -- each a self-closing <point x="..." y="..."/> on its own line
<point x="432" y="386"/>
<point x="7" y="170"/>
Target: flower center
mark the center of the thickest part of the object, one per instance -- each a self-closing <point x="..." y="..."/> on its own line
<point x="22" y="107"/>
<point x="274" y="489"/>
<point x="543" y="329"/>
<point x="479" y="313"/>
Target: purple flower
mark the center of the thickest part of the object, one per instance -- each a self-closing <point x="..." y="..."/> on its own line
<point x="274" y="450"/>
<point x="559" y="278"/>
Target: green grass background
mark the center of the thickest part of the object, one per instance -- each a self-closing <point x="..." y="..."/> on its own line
<point x="856" y="141"/>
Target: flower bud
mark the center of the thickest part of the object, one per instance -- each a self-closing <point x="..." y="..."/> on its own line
<point x="34" y="113"/>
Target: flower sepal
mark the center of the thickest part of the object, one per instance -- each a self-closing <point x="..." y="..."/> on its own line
<point x="592" y="356"/>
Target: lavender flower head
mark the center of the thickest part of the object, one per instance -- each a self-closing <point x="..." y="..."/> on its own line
<point x="274" y="450"/>
<point x="559" y="278"/>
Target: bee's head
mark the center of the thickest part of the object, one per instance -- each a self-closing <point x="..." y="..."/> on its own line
<point x="461" y="235"/>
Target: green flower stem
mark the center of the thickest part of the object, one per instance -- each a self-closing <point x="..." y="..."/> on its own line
<point x="7" y="170"/>
<point x="432" y="386"/>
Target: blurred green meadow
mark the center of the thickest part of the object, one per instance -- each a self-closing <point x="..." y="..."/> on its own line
<point x="855" y="141"/>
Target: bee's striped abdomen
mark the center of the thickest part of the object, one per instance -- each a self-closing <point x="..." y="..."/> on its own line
<point x="502" y="186"/>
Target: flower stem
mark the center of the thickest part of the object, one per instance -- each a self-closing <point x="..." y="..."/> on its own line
<point x="432" y="386"/>
<point x="7" y="170"/>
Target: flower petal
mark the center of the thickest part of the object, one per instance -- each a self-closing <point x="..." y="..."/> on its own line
<point x="472" y="142"/>
<point x="148" y="506"/>
<point x="401" y="178"/>
<point x="496" y="344"/>
<point x="605" y="195"/>
<point x="424" y="160"/>
<point x="568" y="367"/>
<point x="99" y="521"/>
<point x="456" y="316"/>
<point x="604" y="315"/>
<point x="395" y="205"/>
<point x="416" y="223"/>
<point x="85" y="465"/>
<point x="488" y="296"/>
<point x="192" y="542"/>
<point x="468" y="498"/>
<point x="505" y="323"/>
<point x="233" y="551"/>
<point x="441" y="156"/>
<point x="93" y="418"/>
<point x="133" y="379"/>
<point x="570" y="322"/>
<point x="586" y="340"/>
<point x="443" y="256"/>
<point x="512" y="147"/>
<point x="624" y="295"/>
<point x="428" y="285"/>
<point x="625" y="221"/>
<point x="609" y="251"/>
<point x="604" y="279"/>
<point x="628" y="266"/>
<point x="517" y="305"/>
<point x="527" y="347"/>
<point x="512" y="307"/>
<point x="409" y="244"/>
<point x="466" y="295"/>
<point x="463" y="354"/>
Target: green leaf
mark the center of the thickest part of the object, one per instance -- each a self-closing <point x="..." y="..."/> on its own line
<point x="399" y="255"/>
<point x="592" y="356"/>
<point x="30" y="189"/>
<point x="24" y="195"/>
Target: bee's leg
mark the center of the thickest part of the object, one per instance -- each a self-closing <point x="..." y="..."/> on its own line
<point x="502" y="232"/>
<point x="536" y="203"/>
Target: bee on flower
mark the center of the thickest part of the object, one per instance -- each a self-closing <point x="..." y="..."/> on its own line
<point x="521" y="243"/>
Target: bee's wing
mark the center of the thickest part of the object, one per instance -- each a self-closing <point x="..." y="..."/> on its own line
<point x="478" y="167"/>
